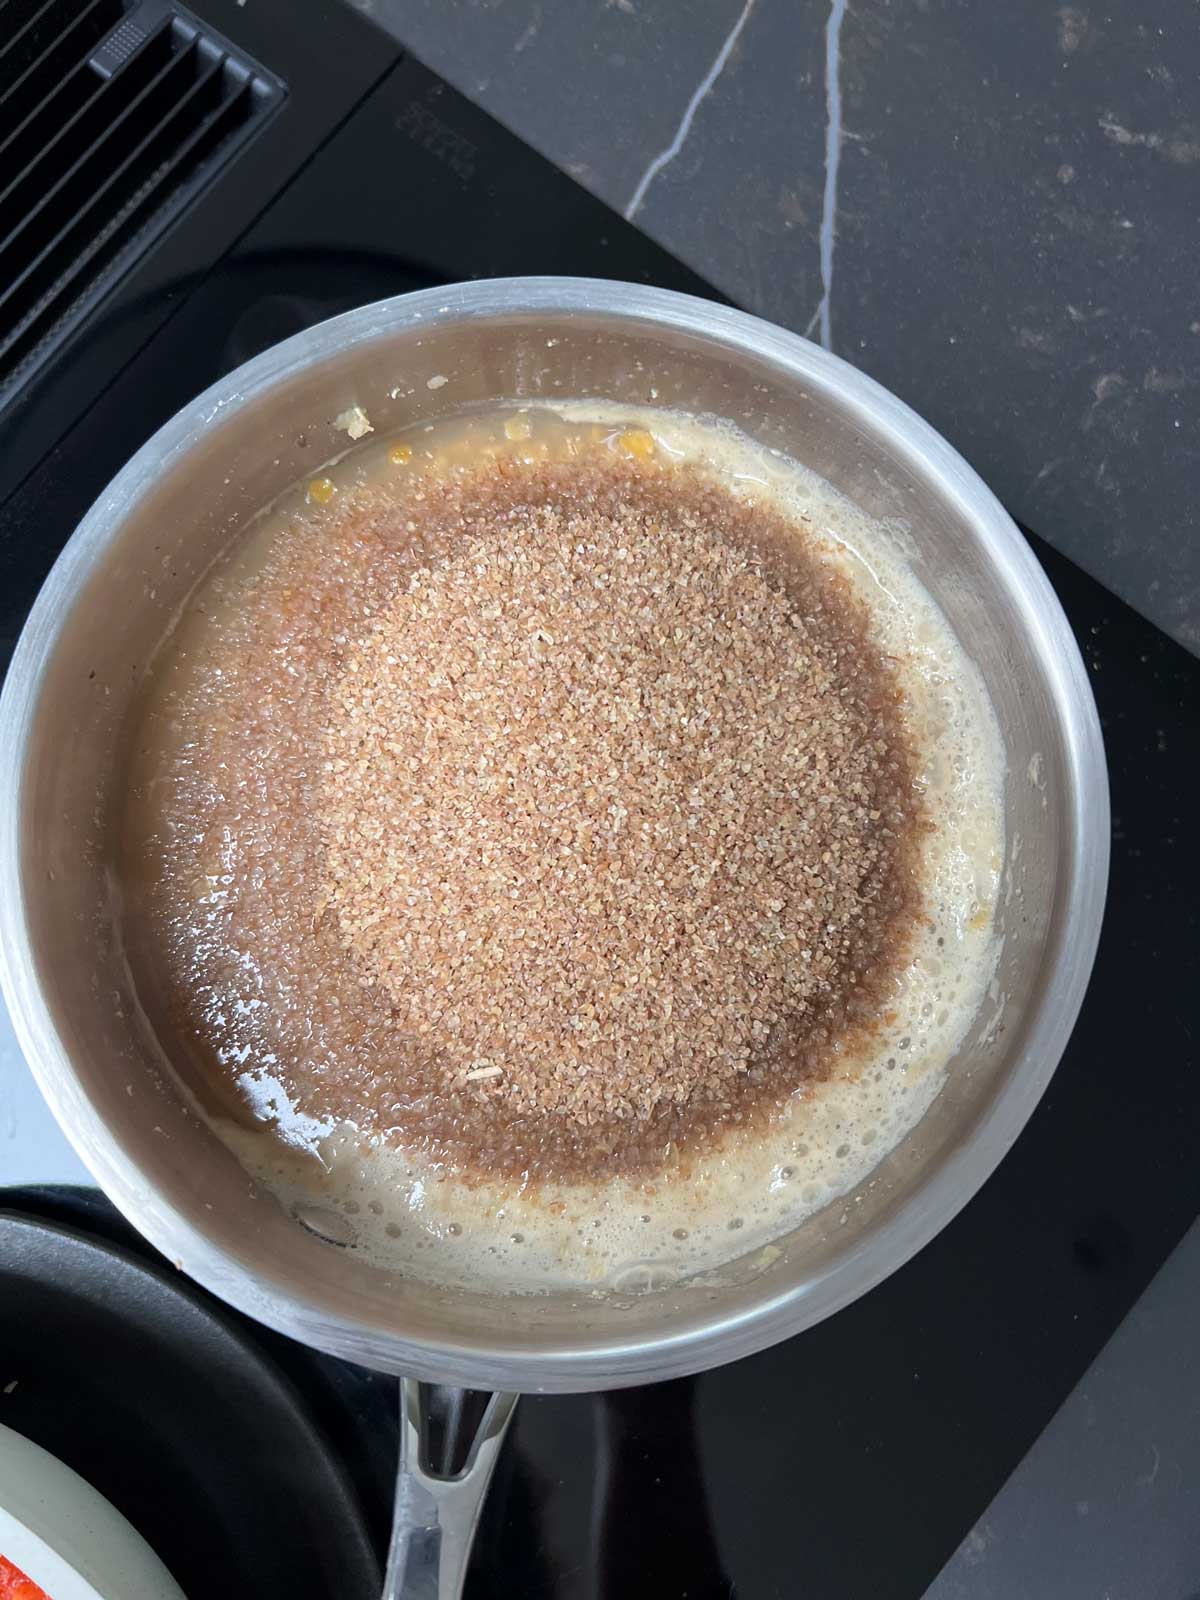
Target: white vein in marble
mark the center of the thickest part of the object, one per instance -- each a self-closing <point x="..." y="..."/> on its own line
<point x="822" y="317"/>
<point x="665" y="157"/>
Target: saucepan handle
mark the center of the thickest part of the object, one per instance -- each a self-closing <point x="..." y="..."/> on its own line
<point x="449" y="1442"/>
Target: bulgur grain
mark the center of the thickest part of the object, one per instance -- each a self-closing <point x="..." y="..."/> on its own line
<point x="604" y="808"/>
<point x="578" y="798"/>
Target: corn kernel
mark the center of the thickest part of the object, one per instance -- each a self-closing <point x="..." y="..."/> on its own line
<point x="321" y="491"/>
<point x="399" y="454"/>
<point x="518" y="427"/>
<point x="637" y="443"/>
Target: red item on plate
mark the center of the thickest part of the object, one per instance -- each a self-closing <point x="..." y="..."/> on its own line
<point x="14" y="1585"/>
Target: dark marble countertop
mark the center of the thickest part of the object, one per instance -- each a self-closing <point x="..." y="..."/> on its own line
<point x="994" y="210"/>
<point x="1104" y="1504"/>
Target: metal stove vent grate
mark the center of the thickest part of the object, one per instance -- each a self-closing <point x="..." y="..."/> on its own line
<point x="113" y="118"/>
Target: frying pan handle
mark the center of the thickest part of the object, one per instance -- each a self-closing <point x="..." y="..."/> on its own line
<point x="449" y="1442"/>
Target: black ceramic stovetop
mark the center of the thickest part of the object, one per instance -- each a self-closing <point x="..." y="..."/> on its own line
<point x="853" y="1459"/>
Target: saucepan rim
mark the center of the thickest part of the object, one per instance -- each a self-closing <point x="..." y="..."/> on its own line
<point x="892" y="1241"/>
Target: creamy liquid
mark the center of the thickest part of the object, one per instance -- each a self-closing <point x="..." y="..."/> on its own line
<point x="408" y="1215"/>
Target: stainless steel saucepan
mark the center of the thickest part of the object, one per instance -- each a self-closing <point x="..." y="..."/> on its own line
<point x="63" y="729"/>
